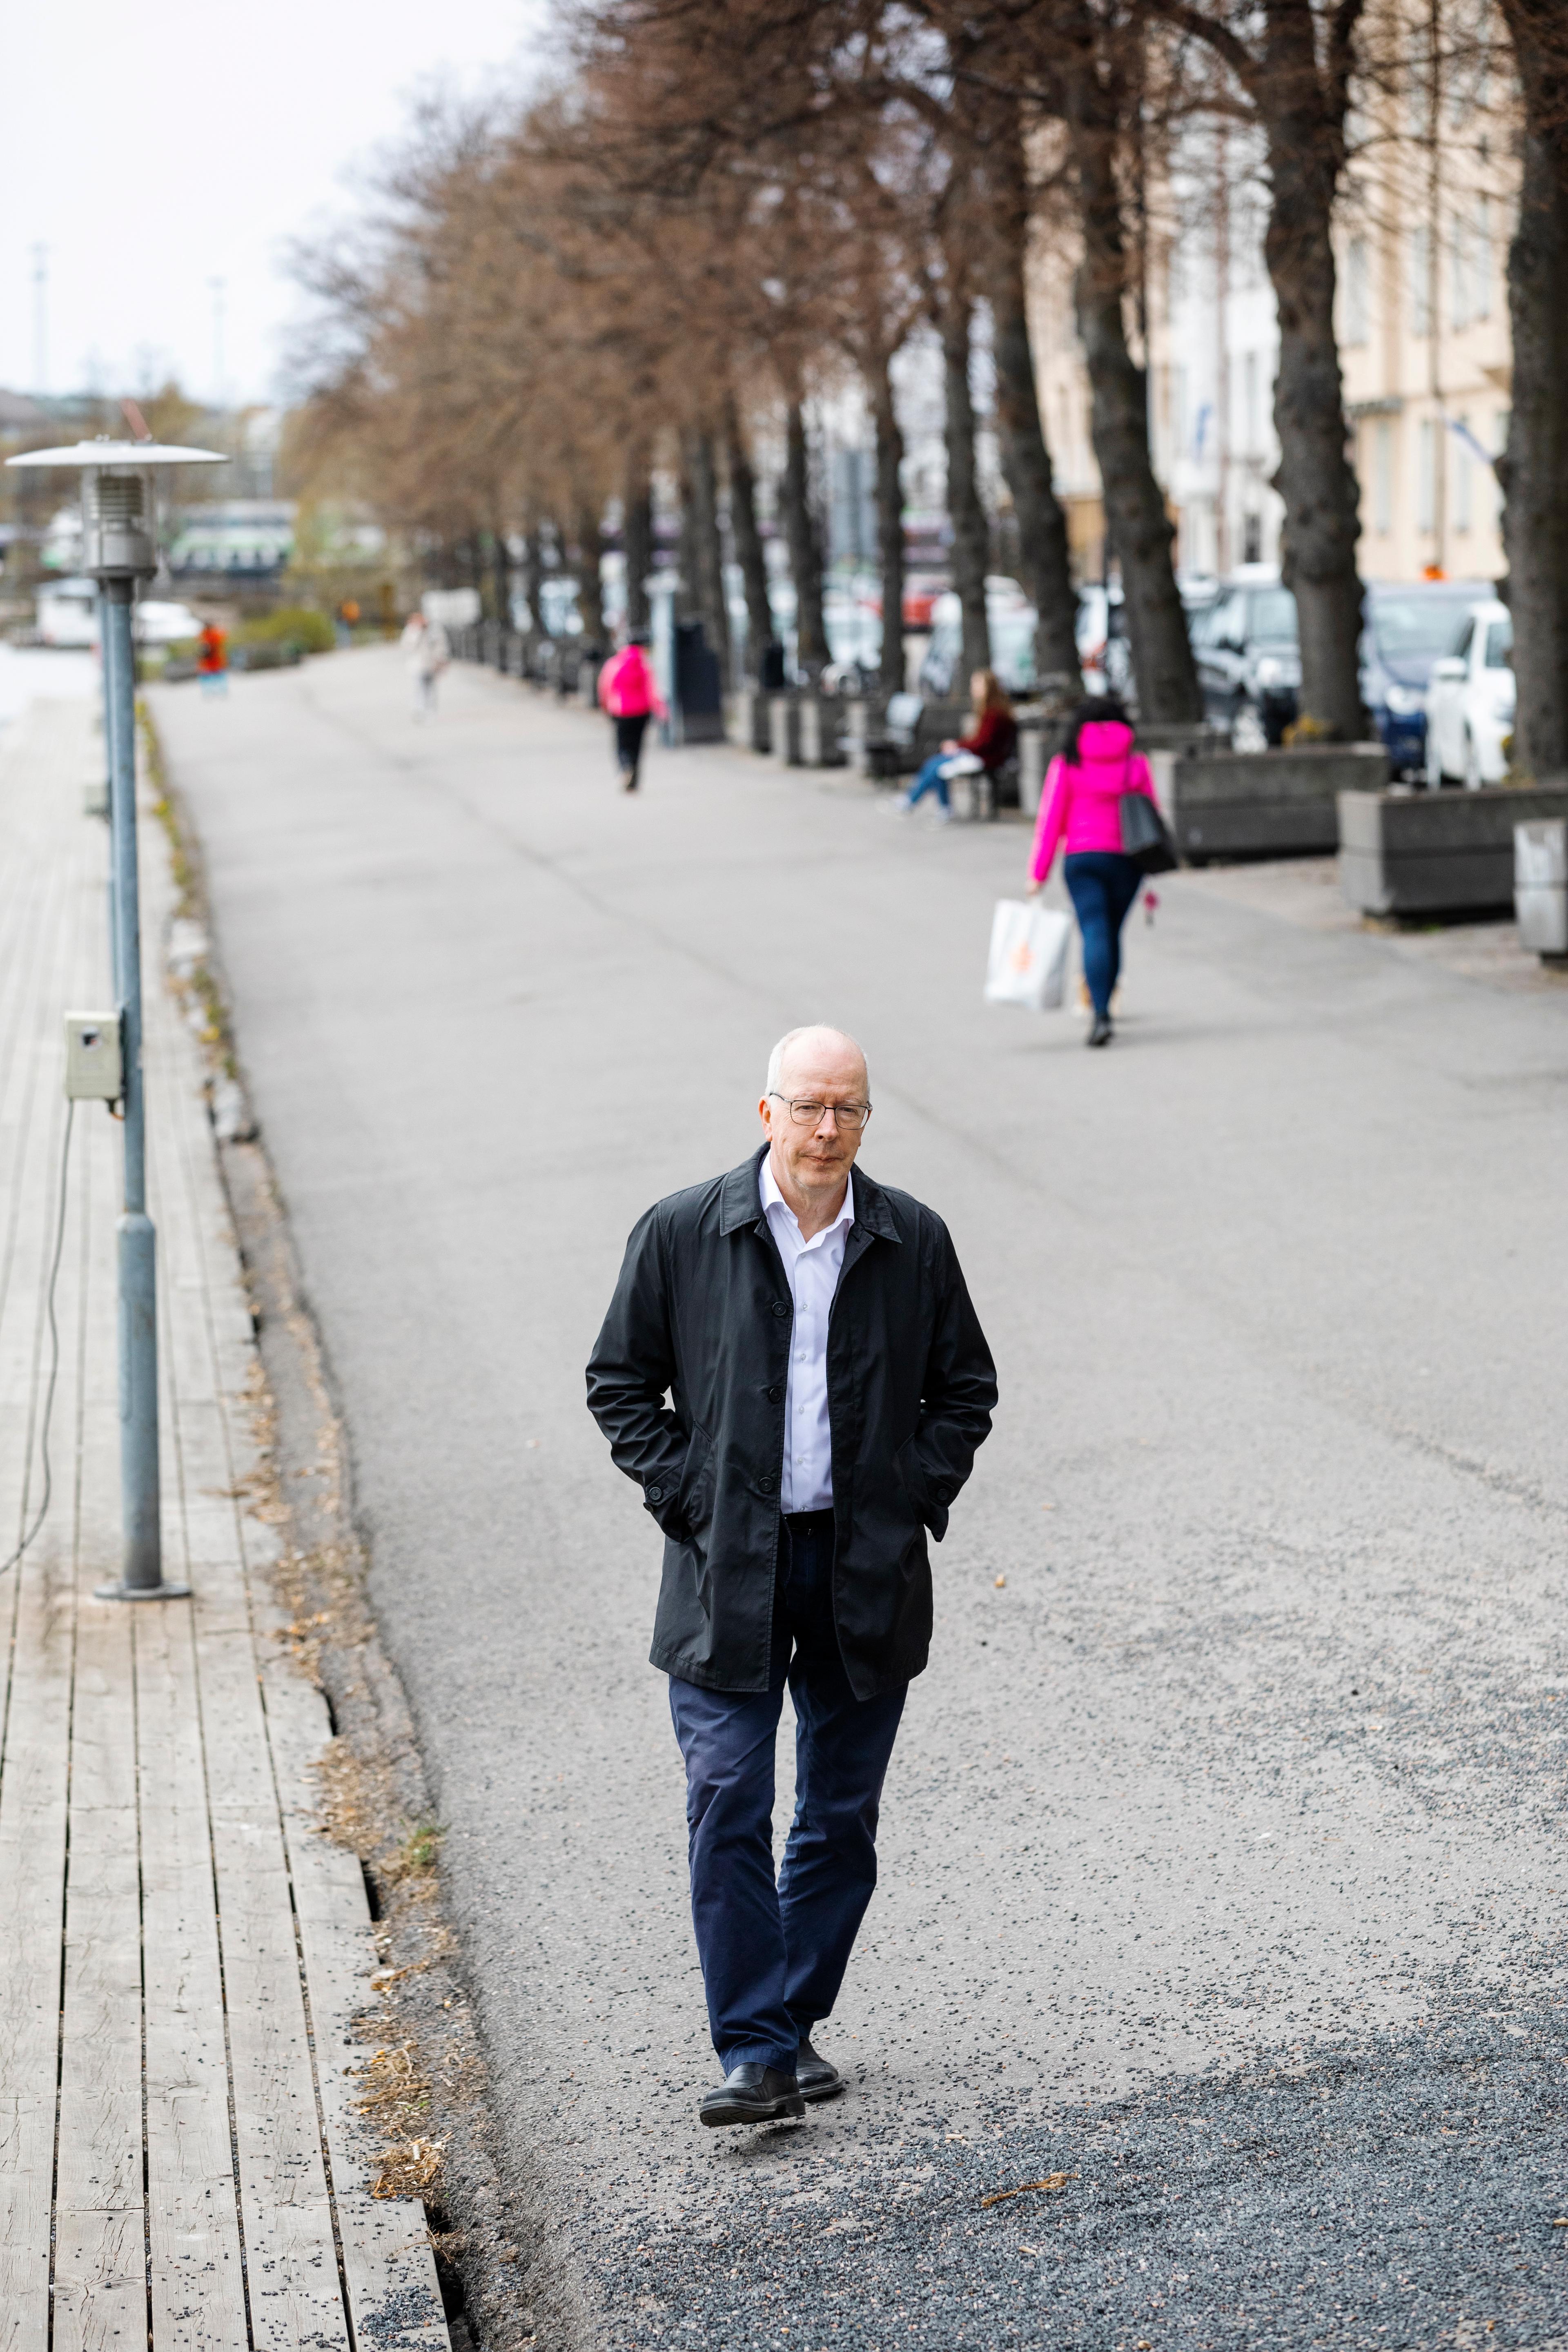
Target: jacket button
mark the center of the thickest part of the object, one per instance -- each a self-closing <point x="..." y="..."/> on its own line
<point x="779" y="1309"/>
<point x="656" y="1494"/>
<point x="773" y="1395"/>
<point x="766" y="1484"/>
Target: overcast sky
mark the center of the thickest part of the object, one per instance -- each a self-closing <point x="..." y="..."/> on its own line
<point x="155" y="148"/>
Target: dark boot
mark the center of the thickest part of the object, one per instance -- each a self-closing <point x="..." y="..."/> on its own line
<point x="753" y="2094"/>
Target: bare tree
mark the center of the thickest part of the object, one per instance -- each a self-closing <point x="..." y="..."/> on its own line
<point x="1535" y="470"/>
<point x="1292" y="62"/>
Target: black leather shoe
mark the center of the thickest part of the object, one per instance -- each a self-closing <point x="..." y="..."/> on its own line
<point x="1101" y="1032"/>
<point x="817" y="2077"/>
<point x="753" y="2094"/>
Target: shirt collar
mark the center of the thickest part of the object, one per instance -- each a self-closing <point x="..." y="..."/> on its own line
<point x="767" y="1185"/>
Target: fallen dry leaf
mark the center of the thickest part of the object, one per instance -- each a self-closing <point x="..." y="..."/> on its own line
<point x="1001" y="1580"/>
<point x="1051" y="2180"/>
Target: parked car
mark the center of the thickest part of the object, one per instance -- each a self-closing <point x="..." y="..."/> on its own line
<point x="1011" y="620"/>
<point x="66" y="612"/>
<point x="1471" y="701"/>
<point x="1249" y="657"/>
<point x="1407" y="628"/>
<point x="1104" y="652"/>
<point x="163" y="622"/>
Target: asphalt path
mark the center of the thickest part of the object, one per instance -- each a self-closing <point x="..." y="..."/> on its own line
<point x="1222" y="1850"/>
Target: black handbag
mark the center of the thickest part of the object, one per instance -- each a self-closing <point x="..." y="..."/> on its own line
<point x="1146" y="837"/>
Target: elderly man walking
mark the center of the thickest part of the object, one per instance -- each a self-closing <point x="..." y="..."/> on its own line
<point x="828" y="1383"/>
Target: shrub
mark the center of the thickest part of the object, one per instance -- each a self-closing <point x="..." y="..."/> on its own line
<point x="298" y="625"/>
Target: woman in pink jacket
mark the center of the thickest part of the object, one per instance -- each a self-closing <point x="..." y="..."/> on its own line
<point x="1081" y="800"/>
<point x="629" y="693"/>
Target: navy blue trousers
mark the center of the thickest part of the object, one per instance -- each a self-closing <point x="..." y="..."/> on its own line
<point x="1102" y="886"/>
<point x="773" y="1953"/>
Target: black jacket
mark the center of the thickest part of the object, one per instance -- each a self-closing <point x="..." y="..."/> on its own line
<point x="702" y="1312"/>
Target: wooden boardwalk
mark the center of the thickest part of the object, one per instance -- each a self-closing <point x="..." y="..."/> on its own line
<point x="181" y="1952"/>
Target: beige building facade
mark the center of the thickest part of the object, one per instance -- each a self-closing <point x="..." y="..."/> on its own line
<point x="1423" y="347"/>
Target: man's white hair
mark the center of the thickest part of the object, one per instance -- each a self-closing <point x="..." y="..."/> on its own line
<point x="811" y="1029"/>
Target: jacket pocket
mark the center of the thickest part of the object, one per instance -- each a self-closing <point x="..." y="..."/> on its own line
<point x="917" y="1486"/>
<point x="694" y="1497"/>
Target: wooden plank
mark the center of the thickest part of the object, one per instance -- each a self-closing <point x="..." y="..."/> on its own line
<point x="198" y="2298"/>
<point x="32" y="1891"/>
<point x="35" y="1736"/>
<point x="290" y="2253"/>
<point x="394" y="2293"/>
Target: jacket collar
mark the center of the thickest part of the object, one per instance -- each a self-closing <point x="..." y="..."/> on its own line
<point x="739" y="1203"/>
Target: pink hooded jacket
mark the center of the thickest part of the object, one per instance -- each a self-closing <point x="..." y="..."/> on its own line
<point x="1085" y="801"/>
<point x="626" y="689"/>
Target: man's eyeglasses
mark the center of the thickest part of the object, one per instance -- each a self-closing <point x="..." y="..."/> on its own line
<point x="849" y="1115"/>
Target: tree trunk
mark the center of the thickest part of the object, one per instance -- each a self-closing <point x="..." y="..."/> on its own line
<point x="533" y="577"/>
<point x="804" y="551"/>
<point x="500" y="562"/>
<point x="890" y="523"/>
<point x="1535" y="471"/>
<point x="1025" y="460"/>
<point x="971" y="537"/>
<point x="637" y="540"/>
<point x="749" y="552"/>
<point x="590" y="575"/>
<point x="1137" y="529"/>
<point x="1316" y="478"/>
<point x="704" y="549"/>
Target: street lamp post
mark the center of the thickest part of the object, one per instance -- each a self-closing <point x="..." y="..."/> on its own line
<point x="118" y="548"/>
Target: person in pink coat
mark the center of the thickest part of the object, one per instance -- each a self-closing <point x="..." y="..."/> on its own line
<point x="629" y="694"/>
<point x="1081" y="806"/>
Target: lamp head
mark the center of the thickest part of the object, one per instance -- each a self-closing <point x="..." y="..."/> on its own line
<point x="118" y="524"/>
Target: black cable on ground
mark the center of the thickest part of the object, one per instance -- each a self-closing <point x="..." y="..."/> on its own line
<point x="54" y="1347"/>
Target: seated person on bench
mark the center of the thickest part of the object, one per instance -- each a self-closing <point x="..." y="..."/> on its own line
<point x="987" y="747"/>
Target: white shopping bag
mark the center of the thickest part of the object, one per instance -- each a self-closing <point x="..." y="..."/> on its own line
<point x="1028" y="955"/>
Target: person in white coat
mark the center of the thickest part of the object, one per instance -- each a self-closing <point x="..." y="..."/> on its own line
<point x="426" y="653"/>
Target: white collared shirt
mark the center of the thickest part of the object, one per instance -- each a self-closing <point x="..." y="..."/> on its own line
<point x="813" y="1268"/>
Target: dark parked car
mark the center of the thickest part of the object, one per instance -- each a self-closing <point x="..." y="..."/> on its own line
<point x="1249" y="658"/>
<point x="1407" y="625"/>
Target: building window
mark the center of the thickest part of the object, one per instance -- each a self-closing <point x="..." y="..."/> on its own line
<point x="1252" y="539"/>
<point x="1464" y="475"/>
<point x="1383" y="476"/>
<point x="1357" y="307"/>
<point x="1459" y="271"/>
<point x="1426" y="475"/>
<point x="1249" y="397"/>
<point x="1420" y="282"/>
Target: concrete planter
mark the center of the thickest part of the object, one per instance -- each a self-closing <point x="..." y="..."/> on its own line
<point x="783" y="727"/>
<point x="1236" y="805"/>
<point x="746" y="719"/>
<point x="1436" y="852"/>
<point x="821" y="722"/>
<point x="863" y="719"/>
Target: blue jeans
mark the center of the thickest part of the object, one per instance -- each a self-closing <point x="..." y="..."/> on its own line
<point x="1102" y="885"/>
<point x="931" y="779"/>
<point x="773" y="1955"/>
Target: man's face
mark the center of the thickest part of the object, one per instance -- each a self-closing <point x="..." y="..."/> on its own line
<point x="816" y="1154"/>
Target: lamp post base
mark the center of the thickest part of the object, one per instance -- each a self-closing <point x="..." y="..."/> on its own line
<point x="162" y="1592"/>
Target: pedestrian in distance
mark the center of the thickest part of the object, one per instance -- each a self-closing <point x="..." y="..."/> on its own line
<point x="993" y="732"/>
<point x="426" y="653"/>
<point x="828" y="1384"/>
<point x="1081" y="806"/>
<point x="629" y="695"/>
<point x="212" y="659"/>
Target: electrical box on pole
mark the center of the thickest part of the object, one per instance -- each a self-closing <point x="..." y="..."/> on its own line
<point x="94" y="1066"/>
